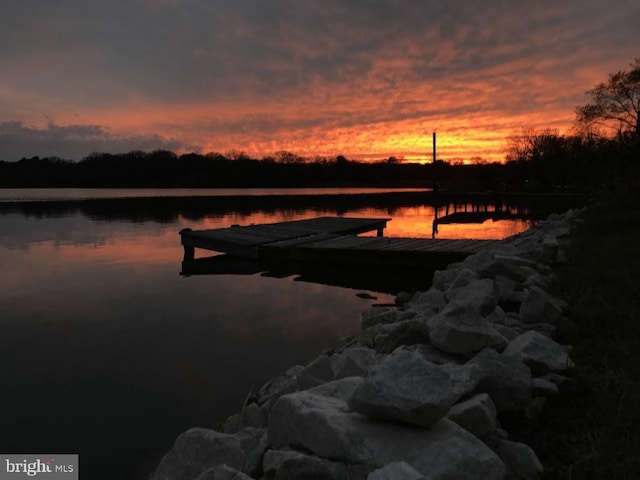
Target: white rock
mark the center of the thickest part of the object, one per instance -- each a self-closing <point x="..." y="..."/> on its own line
<point x="342" y="389"/>
<point x="252" y="415"/>
<point x="460" y="329"/>
<point x="292" y="371"/>
<point x="480" y="295"/>
<point x="544" y="388"/>
<point x="433" y="355"/>
<point x="513" y="267"/>
<point x="396" y="471"/>
<point x="432" y="300"/>
<point x="559" y="231"/>
<point x="465" y="277"/>
<point x="223" y="472"/>
<point x="557" y="379"/>
<point x="443" y="278"/>
<point x="539" y="353"/>
<point x="274" y="389"/>
<point x="254" y="444"/>
<point x="198" y="450"/>
<point x="290" y="464"/>
<point x="505" y="286"/>
<point x="353" y="362"/>
<point x="476" y="415"/>
<point x="538" y="306"/>
<point x="327" y="428"/>
<point x="316" y="372"/>
<point x="386" y="338"/>
<point x="377" y="315"/>
<point x="496" y="316"/>
<point x="407" y="388"/>
<point x="521" y="460"/>
<point x="505" y="379"/>
<point x="507" y="332"/>
<point x="537" y="280"/>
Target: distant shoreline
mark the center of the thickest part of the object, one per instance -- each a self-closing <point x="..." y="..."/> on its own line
<point x="52" y="194"/>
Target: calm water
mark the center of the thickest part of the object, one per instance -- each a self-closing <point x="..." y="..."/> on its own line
<point x="33" y="194"/>
<point x="108" y="352"/>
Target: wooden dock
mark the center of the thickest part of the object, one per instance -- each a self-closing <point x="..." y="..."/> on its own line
<point x="329" y="240"/>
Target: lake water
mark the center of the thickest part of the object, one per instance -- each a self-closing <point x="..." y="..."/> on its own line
<point x="107" y="351"/>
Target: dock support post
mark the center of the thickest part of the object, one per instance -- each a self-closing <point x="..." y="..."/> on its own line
<point x="189" y="254"/>
<point x="380" y="232"/>
<point x="189" y="250"/>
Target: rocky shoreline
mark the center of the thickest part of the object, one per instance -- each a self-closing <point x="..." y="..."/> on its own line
<point x="419" y="392"/>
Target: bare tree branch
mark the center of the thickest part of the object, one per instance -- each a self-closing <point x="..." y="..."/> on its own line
<point x="616" y="103"/>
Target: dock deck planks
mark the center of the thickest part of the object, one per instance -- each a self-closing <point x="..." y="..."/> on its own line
<point x="404" y="252"/>
<point x="329" y="239"/>
<point x="246" y="241"/>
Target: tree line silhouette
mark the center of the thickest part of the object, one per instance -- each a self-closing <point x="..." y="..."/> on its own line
<point x="603" y="153"/>
<point x="537" y="161"/>
<point x="162" y="168"/>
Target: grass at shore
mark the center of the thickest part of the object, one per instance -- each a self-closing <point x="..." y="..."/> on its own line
<point x="593" y="430"/>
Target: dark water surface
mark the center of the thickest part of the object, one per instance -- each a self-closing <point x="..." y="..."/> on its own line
<point x="108" y="352"/>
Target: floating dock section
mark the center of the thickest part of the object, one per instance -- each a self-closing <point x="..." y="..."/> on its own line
<point x="333" y="240"/>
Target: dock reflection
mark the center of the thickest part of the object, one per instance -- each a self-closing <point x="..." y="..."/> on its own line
<point x="372" y="278"/>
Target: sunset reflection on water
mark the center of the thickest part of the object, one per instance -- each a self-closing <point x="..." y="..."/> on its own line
<point x="412" y="222"/>
<point x="94" y="311"/>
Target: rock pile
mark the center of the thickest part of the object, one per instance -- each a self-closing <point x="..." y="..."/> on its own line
<point x="419" y="392"/>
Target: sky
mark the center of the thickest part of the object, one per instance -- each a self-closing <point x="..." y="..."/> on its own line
<point x="367" y="79"/>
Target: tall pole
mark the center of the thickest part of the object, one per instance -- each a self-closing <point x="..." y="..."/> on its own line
<point x="435" y="182"/>
<point x="434" y="147"/>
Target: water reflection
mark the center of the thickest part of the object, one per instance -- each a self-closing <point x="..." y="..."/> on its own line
<point x="391" y="281"/>
<point x="106" y="348"/>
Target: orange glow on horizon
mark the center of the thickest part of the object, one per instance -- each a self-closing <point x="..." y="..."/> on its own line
<point x="472" y="118"/>
<point x="367" y="81"/>
<point x="458" y="139"/>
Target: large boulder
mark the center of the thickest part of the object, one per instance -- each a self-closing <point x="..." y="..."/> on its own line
<point x="198" y="450"/>
<point x="506" y="379"/>
<point x="549" y="249"/>
<point x="506" y="287"/>
<point x="396" y="471"/>
<point x="430" y="301"/>
<point x="539" y="306"/>
<point x="407" y="388"/>
<point x="514" y="267"/>
<point x="539" y="352"/>
<point x="463" y="278"/>
<point x="254" y="443"/>
<point x="481" y="295"/>
<point x="342" y="389"/>
<point x="478" y="262"/>
<point x="461" y="329"/>
<point x="443" y="278"/>
<point x="433" y="354"/>
<point x="292" y="465"/>
<point x="381" y="315"/>
<point x="275" y="388"/>
<point x="521" y="461"/>
<point x="327" y="428"/>
<point x="223" y="472"/>
<point x="317" y="372"/>
<point x="476" y="415"/>
<point x="353" y="362"/>
<point x="386" y="338"/>
<point x="251" y="415"/>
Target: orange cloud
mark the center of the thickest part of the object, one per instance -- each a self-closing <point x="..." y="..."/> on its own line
<point x="367" y="81"/>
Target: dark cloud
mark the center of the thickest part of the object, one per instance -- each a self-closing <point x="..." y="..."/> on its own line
<point x="271" y="68"/>
<point x="74" y="141"/>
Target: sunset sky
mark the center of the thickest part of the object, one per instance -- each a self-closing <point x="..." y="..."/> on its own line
<point x="364" y="78"/>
